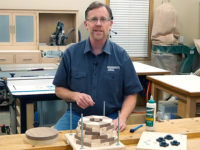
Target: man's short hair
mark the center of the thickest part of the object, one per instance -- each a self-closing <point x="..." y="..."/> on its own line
<point x="95" y="5"/>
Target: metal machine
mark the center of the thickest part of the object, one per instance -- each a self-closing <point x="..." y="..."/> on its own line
<point x="189" y="53"/>
<point x="59" y="37"/>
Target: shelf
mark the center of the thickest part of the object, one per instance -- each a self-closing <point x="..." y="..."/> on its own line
<point x="48" y="22"/>
<point x="47" y="47"/>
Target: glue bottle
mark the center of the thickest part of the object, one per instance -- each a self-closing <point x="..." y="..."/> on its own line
<point x="150" y="114"/>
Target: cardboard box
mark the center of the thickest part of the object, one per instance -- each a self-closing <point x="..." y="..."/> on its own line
<point x="138" y="116"/>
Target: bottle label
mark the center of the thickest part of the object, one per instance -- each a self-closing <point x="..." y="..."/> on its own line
<point x="149" y="117"/>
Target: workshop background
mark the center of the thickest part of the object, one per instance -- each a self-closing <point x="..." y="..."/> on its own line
<point x="188" y="14"/>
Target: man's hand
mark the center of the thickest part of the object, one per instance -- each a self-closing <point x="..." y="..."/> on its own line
<point x="83" y="100"/>
<point x="122" y="124"/>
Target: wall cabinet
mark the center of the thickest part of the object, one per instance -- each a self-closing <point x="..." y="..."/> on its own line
<point x="31" y="30"/>
<point x="18" y="30"/>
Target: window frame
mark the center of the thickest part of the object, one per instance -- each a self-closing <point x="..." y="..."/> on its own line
<point x="148" y="58"/>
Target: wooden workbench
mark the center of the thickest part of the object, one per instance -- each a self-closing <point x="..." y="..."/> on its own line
<point x="144" y="69"/>
<point x="189" y="126"/>
<point x="185" y="87"/>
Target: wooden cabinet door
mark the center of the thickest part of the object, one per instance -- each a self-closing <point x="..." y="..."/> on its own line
<point x="25" y="28"/>
<point x="18" y="29"/>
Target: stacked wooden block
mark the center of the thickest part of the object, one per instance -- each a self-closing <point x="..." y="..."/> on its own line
<point x="98" y="131"/>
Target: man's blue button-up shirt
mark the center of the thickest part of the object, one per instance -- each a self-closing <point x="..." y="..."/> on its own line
<point x="109" y="76"/>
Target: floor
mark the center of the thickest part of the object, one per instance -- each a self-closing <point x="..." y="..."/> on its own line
<point x="4" y="117"/>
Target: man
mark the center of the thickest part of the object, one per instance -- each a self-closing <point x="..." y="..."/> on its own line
<point x="95" y="71"/>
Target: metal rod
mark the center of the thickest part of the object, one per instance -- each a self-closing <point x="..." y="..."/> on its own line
<point x="104" y="108"/>
<point x="82" y="131"/>
<point x="118" y="128"/>
<point x="70" y="118"/>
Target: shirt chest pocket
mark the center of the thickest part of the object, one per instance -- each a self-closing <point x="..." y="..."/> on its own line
<point x="112" y="76"/>
<point x="78" y="81"/>
<point x="112" y="81"/>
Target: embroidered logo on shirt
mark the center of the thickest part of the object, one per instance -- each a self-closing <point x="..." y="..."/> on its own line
<point x="112" y="68"/>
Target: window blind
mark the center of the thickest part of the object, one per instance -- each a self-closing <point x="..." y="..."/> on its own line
<point x="131" y="23"/>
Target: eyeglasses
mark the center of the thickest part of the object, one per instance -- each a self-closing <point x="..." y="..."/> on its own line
<point x="94" y="20"/>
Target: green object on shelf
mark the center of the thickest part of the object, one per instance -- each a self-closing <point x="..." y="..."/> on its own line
<point x="190" y="53"/>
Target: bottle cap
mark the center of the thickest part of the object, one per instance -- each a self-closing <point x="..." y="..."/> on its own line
<point x="151" y="100"/>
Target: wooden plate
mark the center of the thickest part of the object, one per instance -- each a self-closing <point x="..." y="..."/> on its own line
<point x="41" y="135"/>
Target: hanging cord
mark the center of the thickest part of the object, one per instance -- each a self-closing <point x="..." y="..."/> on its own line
<point x="148" y="93"/>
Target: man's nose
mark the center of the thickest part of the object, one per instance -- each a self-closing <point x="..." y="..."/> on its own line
<point x="99" y="22"/>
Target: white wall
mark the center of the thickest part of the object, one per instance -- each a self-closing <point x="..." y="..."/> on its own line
<point x="80" y="5"/>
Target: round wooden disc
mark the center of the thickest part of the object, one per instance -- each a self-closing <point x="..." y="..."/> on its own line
<point x="41" y="133"/>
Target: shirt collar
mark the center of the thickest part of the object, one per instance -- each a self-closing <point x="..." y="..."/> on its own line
<point x="88" y="47"/>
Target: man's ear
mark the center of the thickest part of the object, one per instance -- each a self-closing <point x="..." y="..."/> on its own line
<point x="111" y="23"/>
<point x="86" y="25"/>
